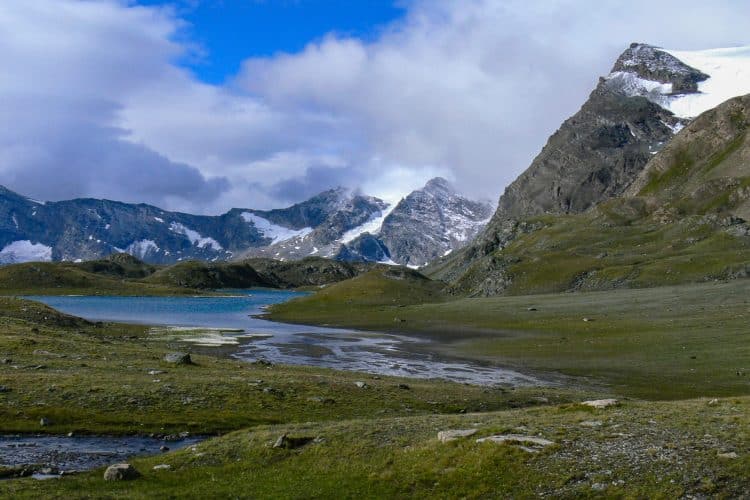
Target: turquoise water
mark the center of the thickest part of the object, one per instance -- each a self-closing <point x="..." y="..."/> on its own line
<point x="231" y="311"/>
<point x="230" y="325"/>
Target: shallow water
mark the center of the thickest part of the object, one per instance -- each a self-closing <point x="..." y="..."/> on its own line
<point x="227" y="322"/>
<point x="68" y="454"/>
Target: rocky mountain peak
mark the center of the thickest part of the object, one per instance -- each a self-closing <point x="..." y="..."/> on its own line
<point x="654" y="64"/>
<point x="439" y="186"/>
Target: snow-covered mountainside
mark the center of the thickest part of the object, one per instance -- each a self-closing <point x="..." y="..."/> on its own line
<point x="347" y="215"/>
<point x="90" y="229"/>
<point x="687" y="83"/>
<point x="428" y="223"/>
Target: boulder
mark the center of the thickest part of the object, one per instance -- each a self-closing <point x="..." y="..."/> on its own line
<point x="454" y="434"/>
<point x="178" y="358"/>
<point x="361" y="385"/>
<point x="601" y="403"/>
<point x="530" y="444"/>
<point x="289" y="443"/>
<point x="121" y="472"/>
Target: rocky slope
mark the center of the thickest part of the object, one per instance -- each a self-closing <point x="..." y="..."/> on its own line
<point x="428" y="223"/>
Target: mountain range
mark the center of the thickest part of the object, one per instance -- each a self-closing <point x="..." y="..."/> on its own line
<point x="337" y="223"/>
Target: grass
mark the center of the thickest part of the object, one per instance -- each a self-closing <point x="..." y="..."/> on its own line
<point x="649" y="450"/>
<point x="660" y="343"/>
<point x="95" y="378"/>
<point x="381" y="441"/>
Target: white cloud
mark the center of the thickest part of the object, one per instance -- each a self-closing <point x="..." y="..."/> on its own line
<point x="465" y="89"/>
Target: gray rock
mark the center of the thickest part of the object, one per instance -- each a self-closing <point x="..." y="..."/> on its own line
<point x="728" y="456"/>
<point x="361" y="384"/>
<point x="516" y="438"/>
<point x="4" y="389"/>
<point x="454" y="434"/>
<point x="601" y="403"/>
<point x="178" y="358"/>
<point x="44" y="422"/>
<point x="162" y="467"/>
<point x="289" y="443"/>
<point x="121" y="472"/>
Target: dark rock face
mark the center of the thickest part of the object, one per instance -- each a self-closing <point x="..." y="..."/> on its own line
<point x="366" y="248"/>
<point x="594" y="156"/>
<point x="343" y="212"/>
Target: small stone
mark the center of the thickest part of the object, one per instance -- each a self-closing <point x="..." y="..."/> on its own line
<point x="454" y="434"/>
<point x="289" y="443"/>
<point x="404" y="387"/>
<point x="601" y="403"/>
<point x="531" y="308"/>
<point x="4" y="389"/>
<point x="321" y="400"/>
<point x="44" y="422"/>
<point x="121" y="472"/>
<point x="586" y="320"/>
<point x="178" y="358"/>
<point x="713" y="402"/>
<point x="71" y="434"/>
<point x="163" y="449"/>
<point x="591" y="423"/>
<point x="361" y="384"/>
<point x="156" y="372"/>
<point x="6" y="361"/>
<point x="728" y="456"/>
<point x="598" y="486"/>
<point x="162" y="467"/>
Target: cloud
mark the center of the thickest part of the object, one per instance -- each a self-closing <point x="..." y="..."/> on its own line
<point x="98" y="104"/>
<point x="70" y="70"/>
<point x="476" y="87"/>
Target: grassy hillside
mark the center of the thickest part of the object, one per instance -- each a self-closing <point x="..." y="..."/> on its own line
<point x="122" y="274"/>
<point x="47" y="278"/>
<point x="371" y="297"/>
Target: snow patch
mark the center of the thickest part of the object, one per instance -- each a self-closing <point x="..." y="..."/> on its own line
<point x="142" y="248"/>
<point x="25" y="251"/>
<point x="372" y="226"/>
<point x="194" y="236"/>
<point x="270" y="230"/>
<point x="730" y="77"/>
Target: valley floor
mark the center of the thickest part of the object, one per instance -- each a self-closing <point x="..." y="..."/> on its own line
<point x="676" y="358"/>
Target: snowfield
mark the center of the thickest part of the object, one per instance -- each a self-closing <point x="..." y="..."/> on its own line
<point x="195" y="237"/>
<point x="25" y="251"/>
<point x="270" y="230"/>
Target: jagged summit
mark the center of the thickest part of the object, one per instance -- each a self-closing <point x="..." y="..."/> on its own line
<point x="655" y="64"/>
<point x="428" y="223"/>
<point x="686" y="83"/>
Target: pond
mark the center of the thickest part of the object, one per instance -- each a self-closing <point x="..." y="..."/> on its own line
<point x="227" y="322"/>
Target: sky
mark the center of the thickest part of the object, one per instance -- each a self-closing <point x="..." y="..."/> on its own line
<point x="204" y="105"/>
